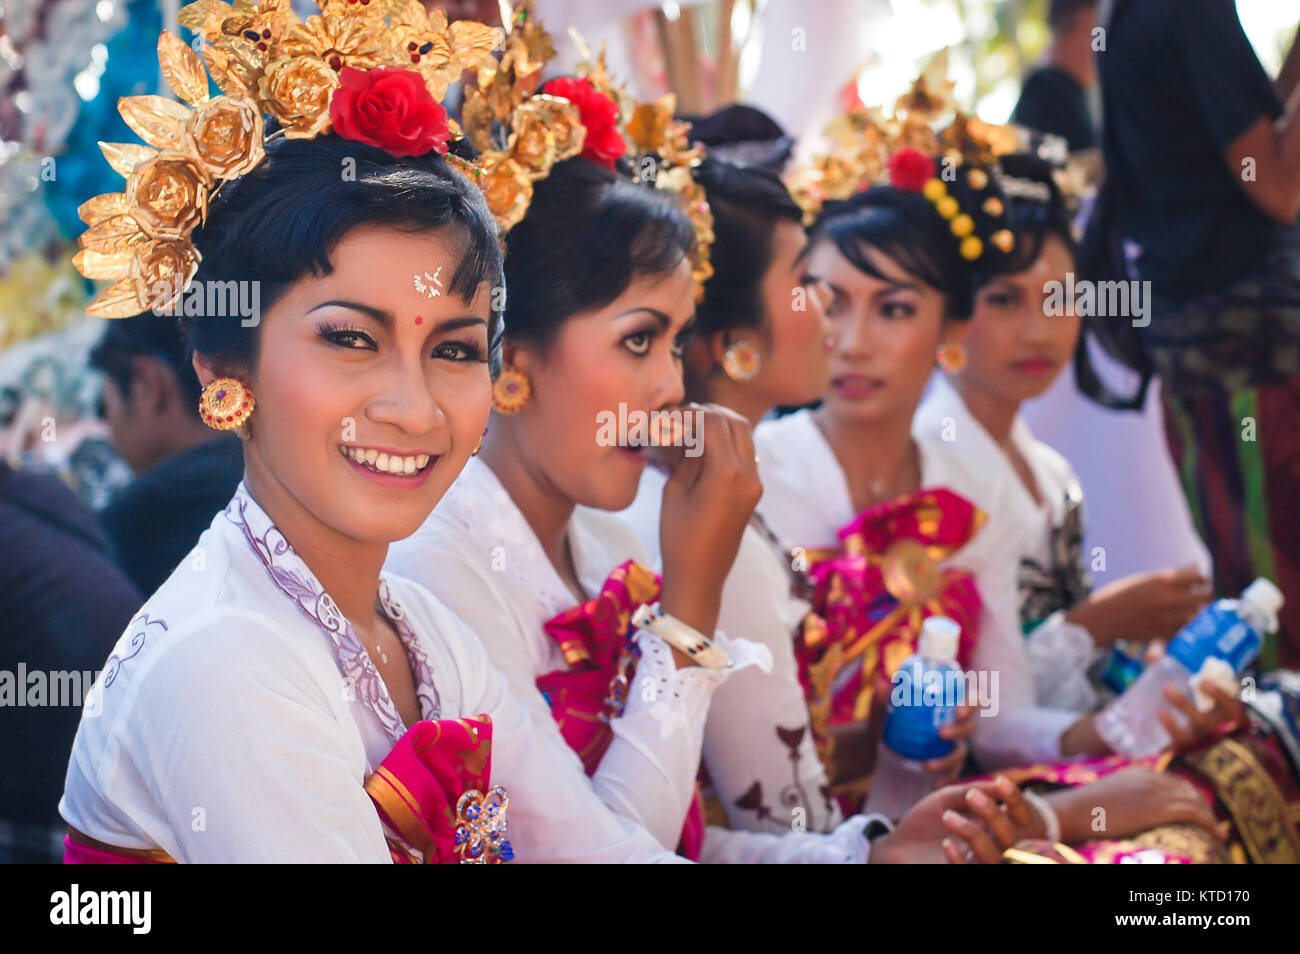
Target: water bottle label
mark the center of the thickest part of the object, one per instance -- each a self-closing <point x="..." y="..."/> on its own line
<point x="922" y="699"/>
<point x="1216" y="631"/>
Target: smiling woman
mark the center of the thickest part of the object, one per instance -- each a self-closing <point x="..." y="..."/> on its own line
<point x="278" y="699"/>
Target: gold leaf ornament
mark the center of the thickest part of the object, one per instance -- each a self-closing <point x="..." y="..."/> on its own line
<point x="532" y="144"/>
<point x="650" y="123"/>
<point x="564" y="121"/>
<point x="118" y="233"/>
<point x="508" y="189"/>
<point x="226" y="135"/>
<point x="157" y="120"/>
<point x="125" y="156"/>
<point x="168" y="195"/>
<point x="101" y="207"/>
<point x="297" y="91"/>
<point x="336" y="41"/>
<point x="160" y="271"/>
<point x="182" y="69"/>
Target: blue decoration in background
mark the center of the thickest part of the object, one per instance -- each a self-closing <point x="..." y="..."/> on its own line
<point x="131" y="70"/>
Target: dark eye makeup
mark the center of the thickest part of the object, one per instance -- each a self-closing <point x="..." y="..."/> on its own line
<point x="348" y="336"/>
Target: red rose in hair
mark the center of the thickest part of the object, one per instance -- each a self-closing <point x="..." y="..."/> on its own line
<point x="604" y="143"/>
<point x="389" y="108"/>
<point x="909" y="169"/>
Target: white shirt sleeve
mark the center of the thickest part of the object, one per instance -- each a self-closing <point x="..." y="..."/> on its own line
<point x="1012" y="728"/>
<point x="846" y="845"/>
<point x="554" y="814"/>
<point x="1060" y="655"/>
<point x="758" y="745"/>
<point x="648" y="772"/>
<point x="220" y="755"/>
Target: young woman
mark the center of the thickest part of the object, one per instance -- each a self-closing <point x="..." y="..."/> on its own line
<point x="279" y="698"/>
<point x="901" y="297"/>
<point x="1013" y="353"/>
<point x="1014" y="349"/>
<point x="601" y="294"/>
<point x="761" y="341"/>
<point x="758" y="742"/>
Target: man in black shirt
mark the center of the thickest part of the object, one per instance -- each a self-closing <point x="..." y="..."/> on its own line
<point x="63" y="604"/>
<point x="1202" y="155"/>
<point x="1053" y="99"/>
<point x="186" y="473"/>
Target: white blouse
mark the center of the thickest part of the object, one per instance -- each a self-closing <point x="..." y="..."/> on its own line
<point x="1060" y="653"/>
<point x="239" y="717"/>
<point x="478" y="554"/>
<point x="806" y="502"/>
<point x="758" y="746"/>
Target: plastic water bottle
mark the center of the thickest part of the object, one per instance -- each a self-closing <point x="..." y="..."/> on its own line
<point x="927" y="689"/>
<point x="1220" y="642"/>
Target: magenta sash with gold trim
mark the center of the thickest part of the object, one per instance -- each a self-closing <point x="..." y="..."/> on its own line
<point x="594" y="637"/>
<point x="1240" y="771"/>
<point x="431" y="793"/>
<point x="872" y="595"/>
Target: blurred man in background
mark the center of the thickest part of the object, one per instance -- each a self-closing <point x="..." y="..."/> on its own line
<point x="185" y="472"/>
<point x="63" y="604"/>
<point x="1054" y="98"/>
<point x="1202" y="153"/>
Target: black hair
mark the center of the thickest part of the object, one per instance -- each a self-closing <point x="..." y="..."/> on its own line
<point x="146" y="335"/>
<point x="281" y="222"/>
<point x="747" y="203"/>
<point x="906" y="227"/>
<point x="743" y="135"/>
<point x="588" y="234"/>
<point x="1061" y="13"/>
<point x="1037" y="207"/>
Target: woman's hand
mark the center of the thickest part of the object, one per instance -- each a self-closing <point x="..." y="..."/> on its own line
<point x="1142" y="606"/>
<point x="959" y="824"/>
<point x="1127" y="803"/>
<point x="948" y="767"/>
<point x="1187" y="725"/>
<point x="708" y="500"/>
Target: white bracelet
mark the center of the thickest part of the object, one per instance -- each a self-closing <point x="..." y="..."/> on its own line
<point x="680" y="636"/>
<point x="1046" y="812"/>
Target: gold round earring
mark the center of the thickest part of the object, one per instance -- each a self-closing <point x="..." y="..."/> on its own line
<point x="741" y="361"/>
<point x="226" y="403"/>
<point x="479" y="446"/>
<point x="511" y="391"/>
<point x="950" y="356"/>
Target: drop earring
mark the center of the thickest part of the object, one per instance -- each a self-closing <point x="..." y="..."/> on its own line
<point x="511" y="391"/>
<point x="226" y="404"/>
<point x="741" y="361"/>
<point x="950" y="356"/>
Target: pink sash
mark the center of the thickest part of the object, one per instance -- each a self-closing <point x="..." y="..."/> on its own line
<point x="870" y="598"/>
<point x="602" y="660"/>
<point x="431" y="793"/>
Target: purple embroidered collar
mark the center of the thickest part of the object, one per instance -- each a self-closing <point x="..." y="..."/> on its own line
<point x="293" y="577"/>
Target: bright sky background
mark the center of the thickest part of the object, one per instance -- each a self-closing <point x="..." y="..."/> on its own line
<point x="917" y="28"/>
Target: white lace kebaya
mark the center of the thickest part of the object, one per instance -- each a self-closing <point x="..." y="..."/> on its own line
<point x="1060" y="652"/>
<point x="479" y="555"/>
<point x="239" y="718"/>
<point x="758" y="744"/>
<point x="806" y="502"/>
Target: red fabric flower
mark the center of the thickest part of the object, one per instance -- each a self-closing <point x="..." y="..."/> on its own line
<point x="604" y="143"/>
<point x="390" y="108"/>
<point x="910" y="169"/>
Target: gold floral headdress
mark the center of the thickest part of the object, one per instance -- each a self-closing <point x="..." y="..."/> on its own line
<point x="662" y="151"/>
<point x="520" y="130"/>
<point x="870" y="148"/>
<point x="307" y="75"/>
<point x="518" y="133"/>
